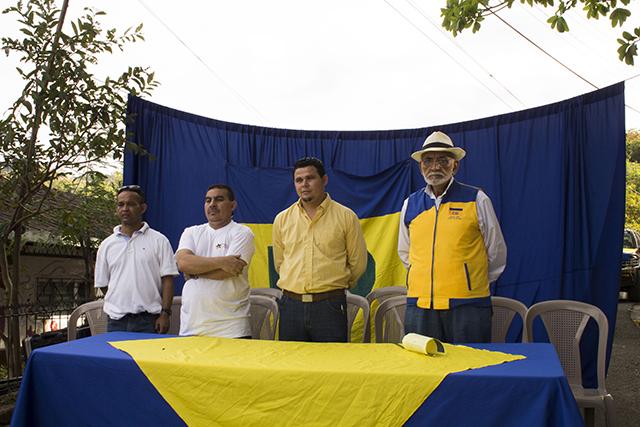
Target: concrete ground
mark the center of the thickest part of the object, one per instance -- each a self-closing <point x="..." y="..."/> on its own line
<point x="623" y="378"/>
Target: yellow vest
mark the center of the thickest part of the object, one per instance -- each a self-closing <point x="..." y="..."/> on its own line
<point x="447" y="256"/>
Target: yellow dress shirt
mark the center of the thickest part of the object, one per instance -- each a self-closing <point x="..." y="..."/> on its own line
<point x="319" y="255"/>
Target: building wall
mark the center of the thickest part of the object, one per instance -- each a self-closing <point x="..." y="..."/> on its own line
<point x="49" y="288"/>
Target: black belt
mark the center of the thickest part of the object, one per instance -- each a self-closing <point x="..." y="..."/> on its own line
<point x="320" y="296"/>
<point x="141" y="313"/>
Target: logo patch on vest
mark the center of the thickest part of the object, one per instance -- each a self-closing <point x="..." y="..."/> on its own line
<point x="455" y="213"/>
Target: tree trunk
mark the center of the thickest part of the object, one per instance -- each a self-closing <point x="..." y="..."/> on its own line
<point x="14" y="359"/>
<point x="6" y="280"/>
<point x="87" y="255"/>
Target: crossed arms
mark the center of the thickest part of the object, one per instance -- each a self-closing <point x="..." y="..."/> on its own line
<point x="216" y="268"/>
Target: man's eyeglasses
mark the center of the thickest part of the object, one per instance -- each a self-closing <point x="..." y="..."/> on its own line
<point x="443" y="161"/>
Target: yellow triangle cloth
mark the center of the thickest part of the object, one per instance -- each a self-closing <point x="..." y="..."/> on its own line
<point x="233" y="382"/>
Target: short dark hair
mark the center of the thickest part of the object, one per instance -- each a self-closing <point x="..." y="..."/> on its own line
<point x="134" y="189"/>
<point x="230" y="193"/>
<point x="310" y="161"/>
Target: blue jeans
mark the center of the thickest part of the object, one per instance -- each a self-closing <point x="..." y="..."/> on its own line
<point x="138" y="322"/>
<point x="322" y="321"/>
<point x="461" y="324"/>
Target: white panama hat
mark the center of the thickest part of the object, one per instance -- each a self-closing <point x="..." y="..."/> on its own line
<point x="438" y="141"/>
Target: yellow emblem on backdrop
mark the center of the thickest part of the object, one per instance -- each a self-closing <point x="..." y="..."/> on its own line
<point x="380" y="233"/>
<point x="381" y="236"/>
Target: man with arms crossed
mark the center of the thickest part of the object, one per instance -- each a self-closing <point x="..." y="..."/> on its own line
<point x="319" y="252"/>
<point x="451" y="243"/>
<point x="135" y="269"/>
<point x="214" y="257"/>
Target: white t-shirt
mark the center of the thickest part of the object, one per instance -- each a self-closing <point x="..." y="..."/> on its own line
<point x="210" y="307"/>
<point x="132" y="268"/>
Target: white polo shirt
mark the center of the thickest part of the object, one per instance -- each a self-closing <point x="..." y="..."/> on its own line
<point x="210" y="307"/>
<point x="132" y="268"/>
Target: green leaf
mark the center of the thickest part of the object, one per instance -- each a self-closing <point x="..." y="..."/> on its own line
<point x="619" y="16"/>
<point x="562" y="25"/>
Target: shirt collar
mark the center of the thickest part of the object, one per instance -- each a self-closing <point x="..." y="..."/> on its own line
<point x="429" y="192"/>
<point x="323" y="206"/>
<point x="118" y="229"/>
<point x="221" y="228"/>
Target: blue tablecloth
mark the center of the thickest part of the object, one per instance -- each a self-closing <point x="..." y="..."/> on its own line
<point x="88" y="382"/>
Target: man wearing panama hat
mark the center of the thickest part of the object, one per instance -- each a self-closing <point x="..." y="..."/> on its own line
<point x="452" y="246"/>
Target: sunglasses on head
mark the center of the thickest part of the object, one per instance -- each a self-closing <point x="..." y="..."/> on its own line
<point x="134" y="188"/>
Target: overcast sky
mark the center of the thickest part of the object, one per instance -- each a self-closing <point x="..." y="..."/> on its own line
<point x="353" y="64"/>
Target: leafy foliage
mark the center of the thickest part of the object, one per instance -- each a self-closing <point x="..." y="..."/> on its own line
<point x="633" y="145"/>
<point x="632" y="210"/>
<point x="65" y="119"/>
<point x="459" y="15"/>
<point x="89" y="220"/>
<point x="82" y="115"/>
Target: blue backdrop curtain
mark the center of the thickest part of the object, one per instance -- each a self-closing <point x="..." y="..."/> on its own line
<point x="555" y="174"/>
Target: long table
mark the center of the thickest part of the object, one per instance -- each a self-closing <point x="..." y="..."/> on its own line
<point x="89" y="382"/>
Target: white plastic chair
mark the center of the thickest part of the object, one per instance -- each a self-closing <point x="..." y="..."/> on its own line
<point x="264" y="317"/>
<point x="377" y="296"/>
<point x="389" y="320"/>
<point x="176" y="306"/>
<point x="274" y="293"/>
<point x="355" y="303"/>
<point x="504" y="311"/>
<point x="96" y="318"/>
<point x="565" y="322"/>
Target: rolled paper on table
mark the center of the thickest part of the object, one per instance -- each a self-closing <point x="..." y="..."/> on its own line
<point x="422" y="344"/>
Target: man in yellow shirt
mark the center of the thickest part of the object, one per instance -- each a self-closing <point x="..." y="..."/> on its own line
<point x="319" y="252"/>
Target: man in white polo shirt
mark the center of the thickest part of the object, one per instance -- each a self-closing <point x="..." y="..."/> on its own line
<point x="135" y="269"/>
<point x="214" y="257"/>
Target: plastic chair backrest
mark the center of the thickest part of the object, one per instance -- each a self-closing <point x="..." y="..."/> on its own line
<point x="565" y="322"/>
<point x="389" y="320"/>
<point x="264" y="317"/>
<point x="96" y="318"/>
<point x="356" y="303"/>
<point x="504" y="311"/>
<point x="267" y="292"/>
<point x="379" y="295"/>
<point x="176" y="306"/>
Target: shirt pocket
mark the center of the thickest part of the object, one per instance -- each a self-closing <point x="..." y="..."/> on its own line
<point x="330" y="242"/>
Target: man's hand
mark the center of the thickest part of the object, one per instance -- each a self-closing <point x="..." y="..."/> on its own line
<point x="162" y="323"/>
<point x="233" y="264"/>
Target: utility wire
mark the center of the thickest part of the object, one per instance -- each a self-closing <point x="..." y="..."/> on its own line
<point x="449" y="55"/>
<point x="557" y="60"/>
<point x="542" y="50"/>
<point x="627" y="105"/>
<point x="459" y="46"/>
<point x="541" y="17"/>
<point x="211" y="70"/>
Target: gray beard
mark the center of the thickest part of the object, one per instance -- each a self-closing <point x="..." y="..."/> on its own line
<point x="437" y="181"/>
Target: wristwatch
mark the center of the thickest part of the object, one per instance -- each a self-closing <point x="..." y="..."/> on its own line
<point x="166" y="310"/>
